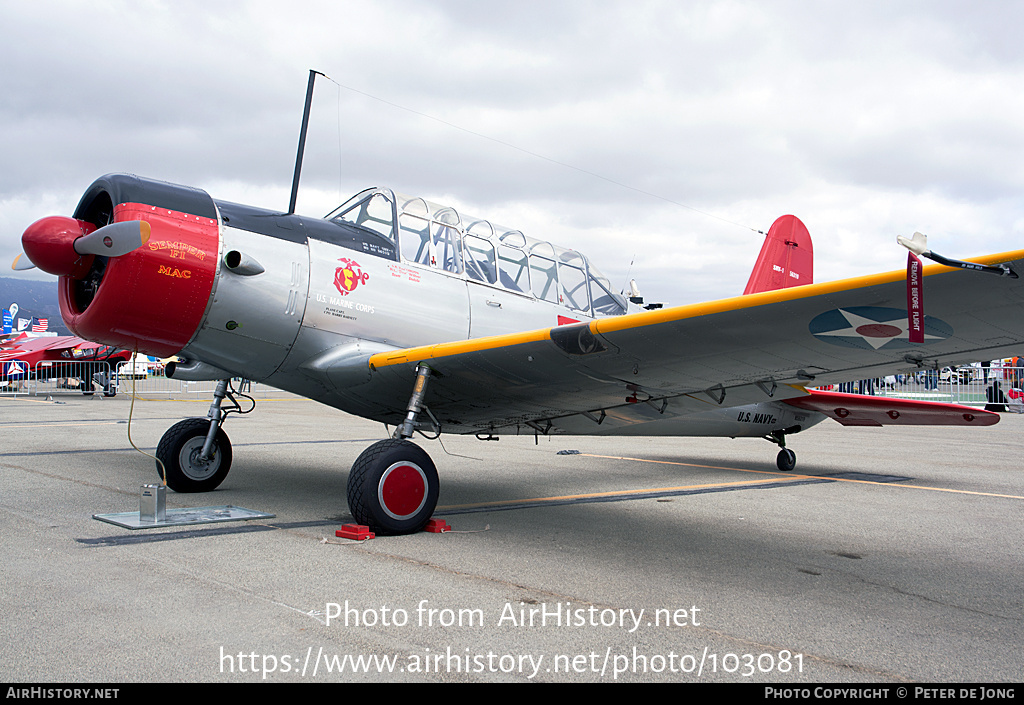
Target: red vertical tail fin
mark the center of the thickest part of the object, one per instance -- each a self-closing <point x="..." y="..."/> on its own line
<point x="786" y="259"/>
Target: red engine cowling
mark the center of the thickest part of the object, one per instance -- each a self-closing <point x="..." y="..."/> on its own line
<point x="152" y="299"/>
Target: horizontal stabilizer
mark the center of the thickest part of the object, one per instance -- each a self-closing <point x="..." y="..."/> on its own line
<point x="862" y="410"/>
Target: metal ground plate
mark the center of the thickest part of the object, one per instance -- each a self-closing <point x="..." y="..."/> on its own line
<point x="184" y="517"/>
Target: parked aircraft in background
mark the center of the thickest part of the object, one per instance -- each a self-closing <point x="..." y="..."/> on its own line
<point x="42" y="357"/>
<point x="428" y="320"/>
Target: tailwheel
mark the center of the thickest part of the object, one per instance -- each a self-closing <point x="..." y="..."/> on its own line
<point x="181" y="450"/>
<point x="393" y="487"/>
<point x="786" y="460"/>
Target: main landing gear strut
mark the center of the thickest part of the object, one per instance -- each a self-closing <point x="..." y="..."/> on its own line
<point x="195" y="454"/>
<point x="393" y="485"/>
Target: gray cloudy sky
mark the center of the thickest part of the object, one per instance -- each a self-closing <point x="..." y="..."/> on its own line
<point x="865" y="119"/>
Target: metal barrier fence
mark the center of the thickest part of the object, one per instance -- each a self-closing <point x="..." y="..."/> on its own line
<point x="969" y="385"/>
<point x="50" y="378"/>
<point x="149" y="382"/>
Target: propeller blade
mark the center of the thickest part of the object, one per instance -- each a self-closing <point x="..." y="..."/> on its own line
<point x="115" y="239"/>
<point x="21" y="263"/>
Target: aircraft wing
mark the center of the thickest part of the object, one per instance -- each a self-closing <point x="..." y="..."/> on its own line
<point x="736" y="351"/>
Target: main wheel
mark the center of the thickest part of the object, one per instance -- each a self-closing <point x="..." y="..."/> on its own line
<point x="786" y="460"/>
<point x="393" y="487"/>
<point x="179" y="451"/>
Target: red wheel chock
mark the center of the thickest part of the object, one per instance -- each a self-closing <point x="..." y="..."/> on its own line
<point x="356" y="532"/>
<point x="361" y="532"/>
<point x="437" y="526"/>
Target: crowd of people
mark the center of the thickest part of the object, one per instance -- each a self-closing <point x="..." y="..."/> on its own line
<point x="1003" y="381"/>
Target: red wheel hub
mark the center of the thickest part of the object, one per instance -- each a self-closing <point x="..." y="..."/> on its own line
<point x="402" y="491"/>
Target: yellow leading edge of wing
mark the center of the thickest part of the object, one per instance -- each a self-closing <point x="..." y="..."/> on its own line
<point x="666" y="315"/>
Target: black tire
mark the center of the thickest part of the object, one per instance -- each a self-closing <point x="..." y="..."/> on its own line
<point x="393" y="487"/>
<point x="786" y="460"/>
<point x="179" y="451"/>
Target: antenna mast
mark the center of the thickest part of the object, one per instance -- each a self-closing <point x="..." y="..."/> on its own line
<point x="302" y="140"/>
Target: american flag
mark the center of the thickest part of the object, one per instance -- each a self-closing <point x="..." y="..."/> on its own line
<point x="39" y="325"/>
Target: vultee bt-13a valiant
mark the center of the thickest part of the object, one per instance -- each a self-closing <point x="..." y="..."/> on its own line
<point x="430" y="321"/>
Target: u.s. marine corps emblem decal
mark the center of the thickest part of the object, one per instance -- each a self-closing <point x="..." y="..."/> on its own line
<point x="348" y="276"/>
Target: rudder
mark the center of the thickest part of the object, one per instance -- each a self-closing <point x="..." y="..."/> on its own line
<point x="786" y="259"/>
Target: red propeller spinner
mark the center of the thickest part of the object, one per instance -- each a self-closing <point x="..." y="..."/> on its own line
<point x="66" y="246"/>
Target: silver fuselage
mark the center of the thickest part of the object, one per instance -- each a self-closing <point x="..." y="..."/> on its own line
<point x="308" y="322"/>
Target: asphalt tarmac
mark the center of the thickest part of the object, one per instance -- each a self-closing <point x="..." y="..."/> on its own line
<point x="889" y="556"/>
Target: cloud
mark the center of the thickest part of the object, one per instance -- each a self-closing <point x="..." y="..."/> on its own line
<point x="588" y="123"/>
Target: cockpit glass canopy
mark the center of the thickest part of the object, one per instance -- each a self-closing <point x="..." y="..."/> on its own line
<point x="437" y="236"/>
